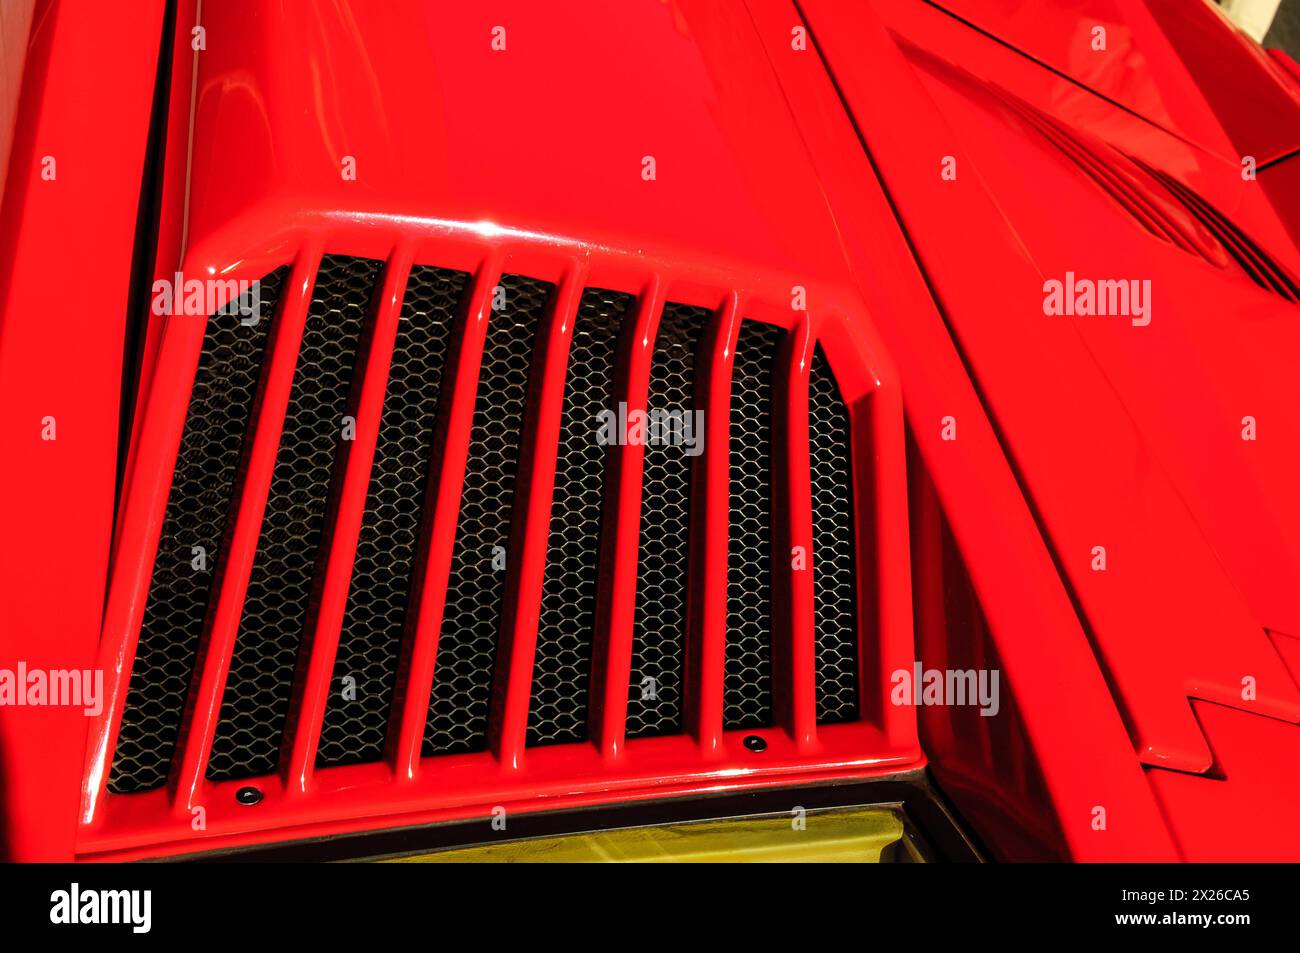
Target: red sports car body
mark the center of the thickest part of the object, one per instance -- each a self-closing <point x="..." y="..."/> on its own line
<point x="981" y="316"/>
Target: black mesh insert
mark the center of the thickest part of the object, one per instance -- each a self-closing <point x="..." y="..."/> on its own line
<point x="462" y="677"/>
<point x="659" y="623"/>
<point x="562" y="664"/>
<point x="747" y="699"/>
<point x="370" y="640"/>
<point x="833" y="562"/>
<point x="280" y="600"/>
<point x="256" y="700"/>
<point x="198" y="508"/>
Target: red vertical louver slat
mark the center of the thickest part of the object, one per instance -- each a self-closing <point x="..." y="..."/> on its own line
<point x="411" y="704"/>
<point x="794" y="563"/>
<point x="707" y="648"/>
<point x="612" y="659"/>
<point x="204" y="709"/>
<point x="322" y="637"/>
<point x="513" y="682"/>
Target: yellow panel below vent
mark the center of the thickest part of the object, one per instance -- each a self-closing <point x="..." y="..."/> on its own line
<point x="851" y="835"/>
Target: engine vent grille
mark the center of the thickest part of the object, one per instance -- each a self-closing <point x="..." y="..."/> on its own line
<point x="1161" y="204"/>
<point x="1258" y="265"/>
<point x="1117" y="176"/>
<point x="357" y="722"/>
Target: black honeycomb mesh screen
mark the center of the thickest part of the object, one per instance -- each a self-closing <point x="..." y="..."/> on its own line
<point x="747" y="698"/>
<point x="280" y="599"/>
<point x="198" y="509"/>
<point x="370" y="641"/>
<point x="256" y="699"/>
<point x="467" y="642"/>
<point x="659" y="623"/>
<point x="834" y="579"/>
<point x="562" y="665"/>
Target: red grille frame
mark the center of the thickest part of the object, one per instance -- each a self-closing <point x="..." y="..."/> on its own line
<point x="302" y="800"/>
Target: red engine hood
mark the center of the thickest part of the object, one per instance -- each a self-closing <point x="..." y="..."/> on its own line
<point x="440" y="111"/>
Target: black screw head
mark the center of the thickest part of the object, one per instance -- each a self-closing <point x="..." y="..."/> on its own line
<point x="755" y="743"/>
<point x="249" y="795"/>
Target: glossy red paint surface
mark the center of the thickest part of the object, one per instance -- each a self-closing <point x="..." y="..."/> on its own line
<point x="1087" y="422"/>
<point x="1179" y="65"/>
<point x="1251" y="791"/>
<point x="1120" y="437"/>
<point x="1011" y="569"/>
<point x="581" y="216"/>
<point x="65" y="263"/>
<point x="776" y="165"/>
